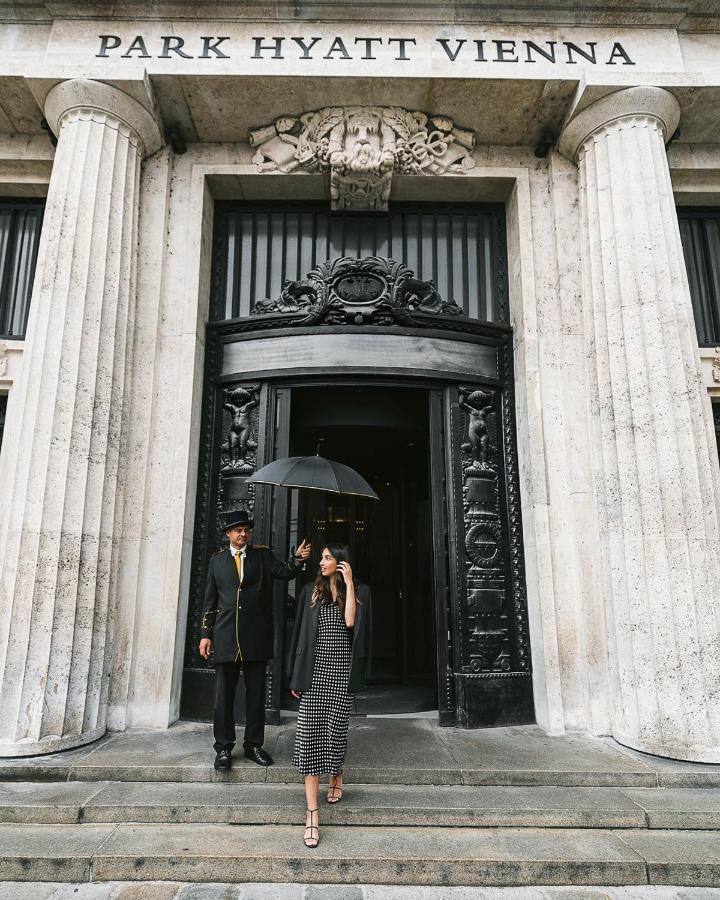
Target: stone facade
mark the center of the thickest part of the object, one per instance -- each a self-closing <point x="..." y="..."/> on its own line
<point x="565" y="124"/>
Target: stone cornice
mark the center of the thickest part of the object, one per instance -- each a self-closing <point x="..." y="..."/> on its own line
<point x="690" y="15"/>
<point x="653" y="102"/>
<point x="82" y="94"/>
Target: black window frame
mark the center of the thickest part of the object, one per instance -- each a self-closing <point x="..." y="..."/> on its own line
<point x="19" y="204"/>
<point x="3" y="414"/>
<point x="703" y="278"/>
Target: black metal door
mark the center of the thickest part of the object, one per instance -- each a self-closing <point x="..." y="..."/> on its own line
<point x="245" y="425"/>
<point x="488" y="635"/>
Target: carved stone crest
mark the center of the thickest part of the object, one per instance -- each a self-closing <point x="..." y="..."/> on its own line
<point x="716" y="365"/>
<point x="362" y="147"/>
<point x="369" y="291"/>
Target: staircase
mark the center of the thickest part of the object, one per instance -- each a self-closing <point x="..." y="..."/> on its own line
<point x="423" y="806"/>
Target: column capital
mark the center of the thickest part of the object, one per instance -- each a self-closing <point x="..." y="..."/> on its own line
<point x="646" y="101"/>
<point x="80" y="94"/>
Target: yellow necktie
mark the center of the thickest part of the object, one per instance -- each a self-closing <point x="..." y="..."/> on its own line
<point x="239" y="565"/>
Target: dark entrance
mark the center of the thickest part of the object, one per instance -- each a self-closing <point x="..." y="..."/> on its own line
<point x="388" y="337"/>
<point x="383" y="433"/>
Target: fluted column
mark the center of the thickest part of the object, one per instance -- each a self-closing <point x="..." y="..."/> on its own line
<point x="61" y="500"/>
<point x="657" y="487"/>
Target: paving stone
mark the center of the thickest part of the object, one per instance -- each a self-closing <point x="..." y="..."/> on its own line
<point x="449" y="805"/>
<point x="406" y="751"/>
<point x="333" y="892"/>
<point x="181" y="753"/>
<point x="87" y="892"/>
<point x="678" y="857"/>
<point x="163" y="890"/>
<point x="526" y="755"/>
<point x="272" y="892"/>
<point x="679" y="807"/>
<point x="51" y="766"/>
<point x="674" y="772"/>
<point x="210" y="892"/>
<point x="49" y="852"/>
<point x="368" y="855"/>
<point x="202" y="803"/>
<point x="33" y="890"/>
<point x="38" y="803"/>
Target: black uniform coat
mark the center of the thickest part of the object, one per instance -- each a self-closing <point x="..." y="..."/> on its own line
<point x="239" y="620"/>
<point x="302" y="646"/>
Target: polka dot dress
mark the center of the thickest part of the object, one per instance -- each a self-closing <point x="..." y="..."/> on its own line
<point x="322" y="725"/>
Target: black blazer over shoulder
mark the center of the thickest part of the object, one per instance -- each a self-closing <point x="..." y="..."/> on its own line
<point x="301" y="656"/>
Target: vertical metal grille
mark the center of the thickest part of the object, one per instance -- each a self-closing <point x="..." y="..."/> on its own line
<point x="700" y="234"/>
<point x="462" y="249"/>
<point x="20" y="224"/>
<point x="3" y="410"/>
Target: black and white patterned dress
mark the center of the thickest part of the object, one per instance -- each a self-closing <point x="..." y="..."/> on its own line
<point x="322" y="725"/>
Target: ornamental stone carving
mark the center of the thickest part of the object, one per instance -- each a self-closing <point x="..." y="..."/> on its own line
<point x="369" y="291"/>
<point x="716" y="365"/>
<point x="362" y="147"/>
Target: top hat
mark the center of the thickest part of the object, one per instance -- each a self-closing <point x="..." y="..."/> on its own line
<point x="237" y="517"/>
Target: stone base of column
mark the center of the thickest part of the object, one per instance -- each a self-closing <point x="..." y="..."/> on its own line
<point x="666" y="750"/>
<point x="49" y="744"/>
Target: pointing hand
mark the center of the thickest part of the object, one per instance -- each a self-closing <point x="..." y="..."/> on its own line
<point x="303" y="551"/>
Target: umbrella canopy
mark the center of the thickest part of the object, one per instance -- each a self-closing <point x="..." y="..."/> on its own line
<point x="314" y="473"/>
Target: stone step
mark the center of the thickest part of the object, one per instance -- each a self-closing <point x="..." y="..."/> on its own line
<point x="380" y="751"/>
<point x="378" y="855"/>
<point x="247" y="773"/>
<point x="362" y="805"/>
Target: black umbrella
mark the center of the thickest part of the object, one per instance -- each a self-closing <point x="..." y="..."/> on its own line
<point x="314" y="473"/>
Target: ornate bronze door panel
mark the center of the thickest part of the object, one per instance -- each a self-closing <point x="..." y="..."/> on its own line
<point x="245" y="425"/>
<point x="488" y="609"/>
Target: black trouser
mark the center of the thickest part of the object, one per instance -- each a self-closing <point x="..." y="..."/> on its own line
<point x="226" y="679"/>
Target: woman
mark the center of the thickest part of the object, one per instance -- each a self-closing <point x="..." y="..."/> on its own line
<point x="329" y="657"/>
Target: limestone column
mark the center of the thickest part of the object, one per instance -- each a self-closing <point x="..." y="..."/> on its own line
<point x="61" y="500"/>
<point x="656" y="481"/>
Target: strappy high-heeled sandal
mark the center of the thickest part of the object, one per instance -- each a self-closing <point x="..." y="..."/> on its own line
<point x="335" y="791"/>
<point x="308" y="841"/>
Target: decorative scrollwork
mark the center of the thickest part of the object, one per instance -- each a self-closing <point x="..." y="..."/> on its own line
<point x="369" y="291"/>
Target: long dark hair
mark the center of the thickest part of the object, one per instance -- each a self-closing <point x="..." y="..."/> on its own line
<point x="322" y="591"/>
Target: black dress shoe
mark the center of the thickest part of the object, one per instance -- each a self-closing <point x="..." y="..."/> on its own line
<point x="223" y="760"/>
<point x="259" y="756"/>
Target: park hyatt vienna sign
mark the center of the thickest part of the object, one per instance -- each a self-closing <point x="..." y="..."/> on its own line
<point x="486" y="49"/>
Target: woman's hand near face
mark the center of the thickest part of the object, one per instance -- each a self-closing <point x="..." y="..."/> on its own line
<point x="346" y="572"/>
<point x="296" y="694"/>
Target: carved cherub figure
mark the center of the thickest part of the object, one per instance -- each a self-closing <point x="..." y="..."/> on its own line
<point x="478" y="405"/>
<point x="239" y="403"/>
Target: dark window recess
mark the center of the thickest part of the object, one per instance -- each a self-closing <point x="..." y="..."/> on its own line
<point x="700" y="233"/>
<point x="20" y="224"/>
<point x="460" y="248"/>
<point x="3" y="410"/>
<point x="716" y="417"/>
